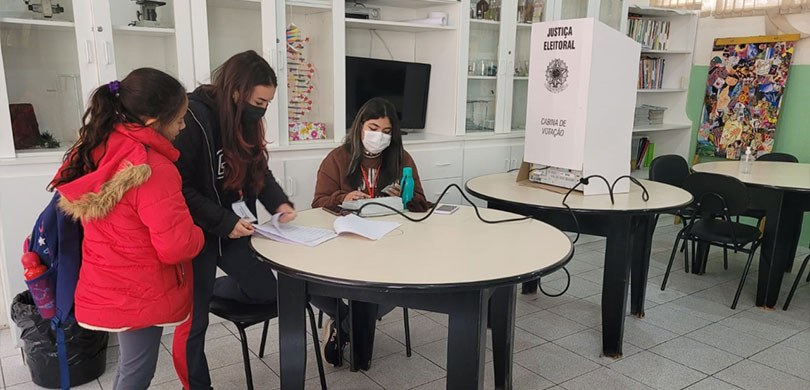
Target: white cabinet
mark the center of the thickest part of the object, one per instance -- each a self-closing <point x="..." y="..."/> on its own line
<point x="488" y="157"/>
<point x="52" y="64"/>
<point x="300" y="175"/>
<point x="439" y="166"/>
<point x="492" y="93"/>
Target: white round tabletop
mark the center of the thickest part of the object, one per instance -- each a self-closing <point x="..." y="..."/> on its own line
<point x="442" y="251"/>
<point x="502" y="187"/>
<point x="779" y="175"/>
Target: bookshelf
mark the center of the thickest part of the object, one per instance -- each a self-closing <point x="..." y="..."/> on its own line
<point x="668" y="37"/>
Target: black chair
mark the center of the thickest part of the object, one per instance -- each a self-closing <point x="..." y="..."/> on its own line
<point x="246" y="315"/>
<point x="673" y="169"/>
<point x="779" y="157"/>
<point x="796" y="282"/>
<point x="717" y="199"/>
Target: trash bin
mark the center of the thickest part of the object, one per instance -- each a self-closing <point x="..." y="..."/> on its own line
<point x="86" y="349"/>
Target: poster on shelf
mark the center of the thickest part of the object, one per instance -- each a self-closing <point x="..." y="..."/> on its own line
<point x="300" y="85"/>
<point x="747" y="78"/>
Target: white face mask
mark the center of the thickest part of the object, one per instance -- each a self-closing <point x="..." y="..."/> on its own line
<point x="375" y="141"/>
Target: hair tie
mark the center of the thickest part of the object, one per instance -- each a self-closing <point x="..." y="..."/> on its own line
<point x="114" y="86"/>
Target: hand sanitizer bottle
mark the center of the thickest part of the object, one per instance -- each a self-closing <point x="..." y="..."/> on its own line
<point x="746" y="161"/>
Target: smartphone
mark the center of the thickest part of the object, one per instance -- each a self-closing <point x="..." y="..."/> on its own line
<point x="335" y="210"/>
<point x="446" y="209"/>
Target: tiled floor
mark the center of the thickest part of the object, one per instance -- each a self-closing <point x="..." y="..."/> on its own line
<point x="689" y="339"/>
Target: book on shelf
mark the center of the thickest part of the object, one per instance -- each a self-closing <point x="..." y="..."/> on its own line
<point x="642" y="153"/>
<point x="652" y="34"/>
<point x="647" y="114"/>
<point x="650" y="72"/>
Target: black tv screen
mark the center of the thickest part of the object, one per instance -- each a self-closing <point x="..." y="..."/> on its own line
<point x="403" y="83"/>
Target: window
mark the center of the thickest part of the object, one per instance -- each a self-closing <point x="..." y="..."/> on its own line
<point x="731" y="8"/>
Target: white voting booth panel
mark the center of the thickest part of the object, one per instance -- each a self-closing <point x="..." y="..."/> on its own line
<point x="581" y="101"/>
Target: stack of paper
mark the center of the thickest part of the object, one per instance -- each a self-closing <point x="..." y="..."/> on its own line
<point x="649" y="115"/>
<point x="309" y="236"/>
<point x="294" y="234"/>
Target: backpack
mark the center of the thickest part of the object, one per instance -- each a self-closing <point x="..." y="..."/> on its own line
<point x="57" y="240"/>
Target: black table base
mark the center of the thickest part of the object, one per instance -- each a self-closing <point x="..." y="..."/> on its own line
<point x="467" y="310"/>
<point x="627" y="261"/>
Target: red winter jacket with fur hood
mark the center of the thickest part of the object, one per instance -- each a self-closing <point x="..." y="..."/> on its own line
<point x="139" y="238"/>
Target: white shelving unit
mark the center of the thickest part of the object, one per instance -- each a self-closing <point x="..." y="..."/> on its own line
<point x="393" y="37"/>
<point x="54" y="64"/>
<point x="673" y="136"/>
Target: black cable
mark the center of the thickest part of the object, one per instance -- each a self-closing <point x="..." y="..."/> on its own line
<point x="567" y="284"/>
<point x="433" y="208"/>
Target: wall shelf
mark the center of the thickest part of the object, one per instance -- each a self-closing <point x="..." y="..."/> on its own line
<point x="649" y="51"/>
<point x="414" y="4"/>
<point x="144" y="31"/>
<point x="662" y="127"/>
<point x="38" y="23"/>
<point x="394" y="26"/>
<point x="662" y="90"/>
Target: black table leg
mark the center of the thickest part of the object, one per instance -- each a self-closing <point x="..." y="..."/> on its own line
<point x="363" y="323"/>
<point x="643" y="229"/>
<point x="699" y="257"/>
<point x="529" y="287"/>
<point x="467" y="335"/>
<point x="783" y="217"/>
<point x="292" y="331"/>
<point x="502" y="321"/>
<point x="615" y="280"/>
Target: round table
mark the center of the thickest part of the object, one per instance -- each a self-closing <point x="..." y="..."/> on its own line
<point x="450" y="264"/>
<point x="783" y="190"/>
<point x="628" y="224"/>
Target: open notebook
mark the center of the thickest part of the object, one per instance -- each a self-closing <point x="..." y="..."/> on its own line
<point x="310" y="236"/>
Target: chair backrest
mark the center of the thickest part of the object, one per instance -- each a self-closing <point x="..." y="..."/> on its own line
<point x="781" y="157"/>
<point x="717" y="195"/>
<point x="669" y="169"/>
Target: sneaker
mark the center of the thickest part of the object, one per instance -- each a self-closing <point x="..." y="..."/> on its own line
<point x="330" y="350"/>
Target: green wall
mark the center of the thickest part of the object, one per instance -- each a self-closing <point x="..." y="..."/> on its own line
<point x="793" y="130"/>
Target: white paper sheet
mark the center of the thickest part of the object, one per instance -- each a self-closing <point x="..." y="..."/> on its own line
<point x="373" y="230"/>
<point x="294" y="234"/>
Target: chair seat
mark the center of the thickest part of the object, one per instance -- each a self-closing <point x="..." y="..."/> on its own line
<point x="236" y="311"/>
<point x="687" y="212"/>
<point x="753" y="213"/>
<point x="716" y="230"/>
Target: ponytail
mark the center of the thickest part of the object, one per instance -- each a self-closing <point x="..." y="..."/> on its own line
<point x="144" y="93"/>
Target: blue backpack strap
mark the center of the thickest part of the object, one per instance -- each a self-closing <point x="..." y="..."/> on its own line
<point x="61" y="353"/>
<point x="69" y="260"/>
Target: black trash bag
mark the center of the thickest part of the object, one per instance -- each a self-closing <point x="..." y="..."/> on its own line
<point x="86" y="349"/>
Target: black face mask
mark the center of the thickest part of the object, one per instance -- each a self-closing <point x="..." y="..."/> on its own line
<point x="251" y="113"/>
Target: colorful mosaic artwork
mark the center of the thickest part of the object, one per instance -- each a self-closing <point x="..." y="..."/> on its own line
<point x="743" y="96"/>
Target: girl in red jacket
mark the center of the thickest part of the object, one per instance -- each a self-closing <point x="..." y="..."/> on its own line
<point x="119" y="179"/>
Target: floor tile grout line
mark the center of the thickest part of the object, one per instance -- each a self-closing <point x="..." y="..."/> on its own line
<point x="773" y="368"/>
<point x="684" y="365"/>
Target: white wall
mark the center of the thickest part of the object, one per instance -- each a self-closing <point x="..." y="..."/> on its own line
<point x="711" y="28"/>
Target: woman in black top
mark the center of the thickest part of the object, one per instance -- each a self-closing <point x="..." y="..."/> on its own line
<point x="223" y="162"/>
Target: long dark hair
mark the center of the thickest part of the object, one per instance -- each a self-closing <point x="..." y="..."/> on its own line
<point x="243" y="145"/>
<point x="144" y="93"/>
<point x="391" y="158"/>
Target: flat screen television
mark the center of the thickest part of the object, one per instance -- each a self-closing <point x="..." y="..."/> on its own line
<point x="403" y="83"/>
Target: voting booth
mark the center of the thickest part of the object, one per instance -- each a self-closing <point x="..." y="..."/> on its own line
<point x="581" y="101"/>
